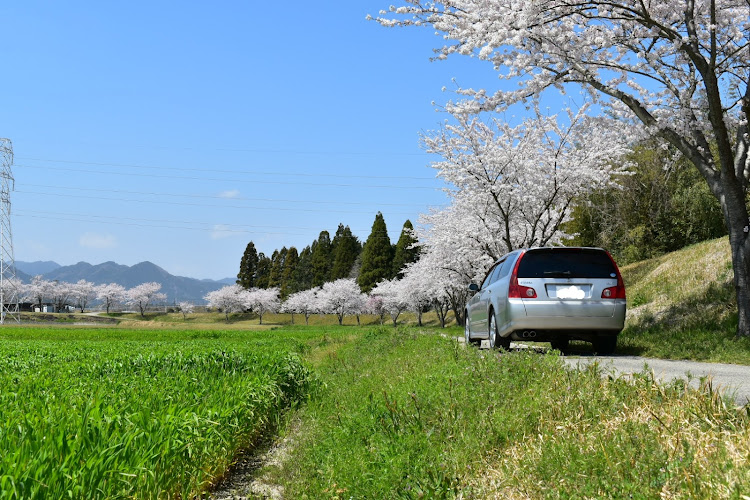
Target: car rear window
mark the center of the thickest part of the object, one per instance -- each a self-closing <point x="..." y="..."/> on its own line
<point x="566" y="263"/>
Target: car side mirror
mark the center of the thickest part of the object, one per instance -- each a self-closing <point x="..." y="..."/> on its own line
<point x="473" y="287"/>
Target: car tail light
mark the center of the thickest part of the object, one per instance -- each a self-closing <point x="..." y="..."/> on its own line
<point x="615" y="292"/>
<point x="516" y="291"/>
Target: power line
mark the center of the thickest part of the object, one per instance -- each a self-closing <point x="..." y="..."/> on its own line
<point x="215" y="197"/>
<point x="117" y="219"/>
<point x="222" y="229"/>
<point x="204" y="205"/>
<point x="264" y="150"/>
<point x="167" y="224"/>
<point x="214" y="170"/>
<point x="244" y="181"/>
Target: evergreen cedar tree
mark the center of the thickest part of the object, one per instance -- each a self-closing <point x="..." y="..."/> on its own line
<point x="263" y="271"/>
<point x="303" y="273"/>
<point x="676" y="70"/>
<point x="406" y="250"/>
<point x="321" y="260"/>
<point x="277" y="267"/>
<point x="288" y="283"/>
<point x="346" y="249"/>
<point x="377" y="256"/>
<point x="248" y="267"/>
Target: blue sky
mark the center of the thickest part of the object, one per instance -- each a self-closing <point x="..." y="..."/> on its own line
<point x="177" y="132"/>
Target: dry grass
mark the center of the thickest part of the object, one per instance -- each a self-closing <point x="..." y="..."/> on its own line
<point x="703" y="448"/>
<point x="676" y="283"/>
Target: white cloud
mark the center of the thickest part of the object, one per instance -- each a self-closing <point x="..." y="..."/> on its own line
<point x="93" y="240"/>
<point x="231" y="194"/>
<point x="222" y="231"/>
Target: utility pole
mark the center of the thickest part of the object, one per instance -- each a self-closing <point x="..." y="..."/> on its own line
<point x="9" y="284"/>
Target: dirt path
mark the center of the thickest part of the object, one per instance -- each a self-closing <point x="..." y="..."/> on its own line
<point x="253" y="477"/>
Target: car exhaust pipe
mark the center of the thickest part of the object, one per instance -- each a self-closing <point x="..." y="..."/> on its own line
<point x="529" y="334"/>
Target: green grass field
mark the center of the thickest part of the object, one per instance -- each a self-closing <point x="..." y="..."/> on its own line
<point x="110" y="413"/>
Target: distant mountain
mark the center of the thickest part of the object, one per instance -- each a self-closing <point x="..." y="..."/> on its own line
<point x="25" y="278"/>
<point x="38" y="267"/>
<point x="177" y="288"/>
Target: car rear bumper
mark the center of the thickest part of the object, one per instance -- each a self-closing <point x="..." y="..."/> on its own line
<point x="561" y="317"/>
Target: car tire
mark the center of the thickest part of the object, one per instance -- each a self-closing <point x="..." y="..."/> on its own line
<point x="467" y="331"/>
<point x="496" y="340"/>
<point x="560" y="344"/>
<point x="605" y="344"/>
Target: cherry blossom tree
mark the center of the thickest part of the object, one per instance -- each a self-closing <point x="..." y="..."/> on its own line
<point x="228" y="299"/>
<point x="143" y="295"/>
<point x="511" y="187"/>
<point x="427" y="285"/>
<point x="418" y="293"/>
<point x="518" y="183"/>
<point x="679" y="69"/>
<point x="374" y="305"/>
<point x="341" y="297"/>
<point x="110" y="294"/>
<point x="261" y="300"/>
<point x="457" y="250"/>
<point x="394" y="298"/>
<point x="358" y="307"/>
<point x="83" y="292"/>
<point x="61" y="292"/>
<point x="38" y="291"/>
<point x="304" y="302"/>
<point x="186" y="308"/>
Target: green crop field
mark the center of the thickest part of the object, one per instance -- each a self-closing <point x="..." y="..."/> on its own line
<point x="107" y="413"/>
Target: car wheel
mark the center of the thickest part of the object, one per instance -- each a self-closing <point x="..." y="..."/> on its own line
<point x="560" y="344"/>
<point x="605" y="344"/>
<point x="496" y="340"/>
<point x="467" y="331"/>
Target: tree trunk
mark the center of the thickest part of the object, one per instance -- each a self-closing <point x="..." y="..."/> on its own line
<point x="731" y="195"/>
<point x="441" y="310"/>
<point x="739" y="242"/>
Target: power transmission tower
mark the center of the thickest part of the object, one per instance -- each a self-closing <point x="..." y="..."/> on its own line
<point x="8" y="283"/>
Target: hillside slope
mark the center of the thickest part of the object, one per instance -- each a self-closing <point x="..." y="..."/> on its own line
<point x="692" y="286"/>
<point x="682" y="305"/>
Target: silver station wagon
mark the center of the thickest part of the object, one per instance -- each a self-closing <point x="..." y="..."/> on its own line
<point x="549" y="294"/>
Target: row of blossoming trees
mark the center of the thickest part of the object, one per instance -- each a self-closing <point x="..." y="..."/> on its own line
<point x="81" y="294"/>
<point x="342" y="297"/>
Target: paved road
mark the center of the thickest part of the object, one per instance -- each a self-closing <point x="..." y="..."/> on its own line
<point x="733" y="380"/>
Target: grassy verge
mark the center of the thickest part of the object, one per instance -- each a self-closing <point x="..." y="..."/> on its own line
<point x="103" y="413"/>
<point x="409" y="414"/>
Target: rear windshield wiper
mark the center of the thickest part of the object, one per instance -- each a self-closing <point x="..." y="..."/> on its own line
<point x="557" y="273"/>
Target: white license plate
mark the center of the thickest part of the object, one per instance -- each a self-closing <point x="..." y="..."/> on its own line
<point x="568" y="292"/>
